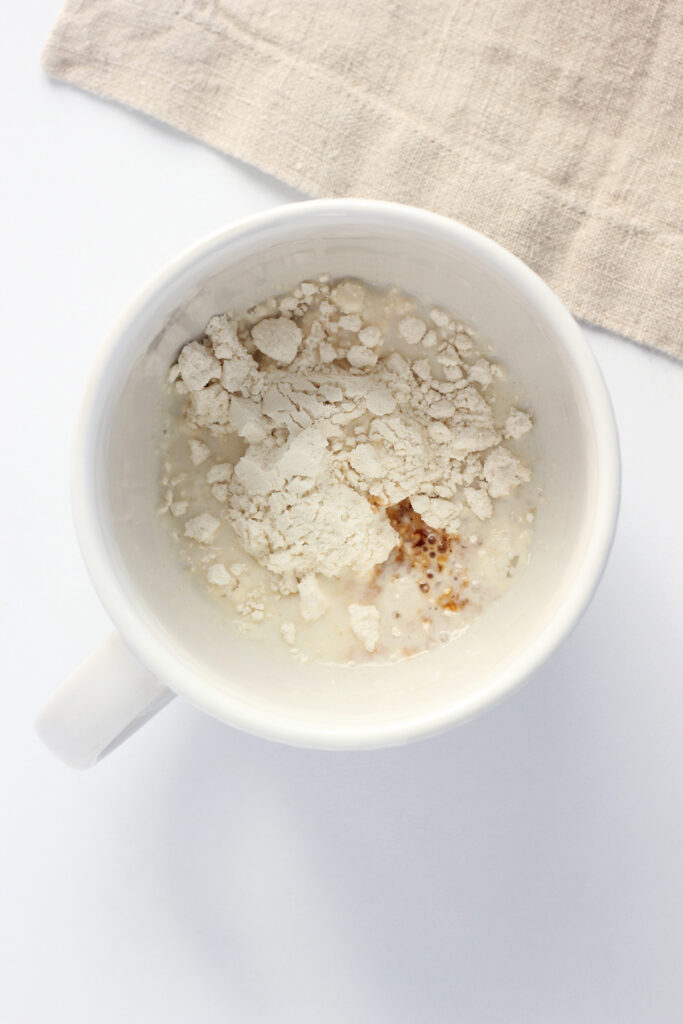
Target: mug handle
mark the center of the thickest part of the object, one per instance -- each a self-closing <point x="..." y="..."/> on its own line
<point x="100" y="705"/>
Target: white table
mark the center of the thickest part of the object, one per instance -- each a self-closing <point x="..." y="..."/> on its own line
<point x="527" y="867"/>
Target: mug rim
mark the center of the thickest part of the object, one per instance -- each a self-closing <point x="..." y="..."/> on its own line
<point x="163" y="664"/>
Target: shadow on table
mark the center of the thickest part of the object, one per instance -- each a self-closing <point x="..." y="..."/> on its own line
<point x="491" y="874"/>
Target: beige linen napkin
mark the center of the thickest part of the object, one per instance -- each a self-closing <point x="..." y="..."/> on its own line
<point x="553" y="127"/>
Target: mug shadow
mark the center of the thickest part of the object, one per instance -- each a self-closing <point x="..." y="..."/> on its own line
<point x="473" y="876"/>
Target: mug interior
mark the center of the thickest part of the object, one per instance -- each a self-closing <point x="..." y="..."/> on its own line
<point x="181" y="633"/>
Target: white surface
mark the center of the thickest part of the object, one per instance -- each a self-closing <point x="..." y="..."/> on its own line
<point x="525" y="867"/>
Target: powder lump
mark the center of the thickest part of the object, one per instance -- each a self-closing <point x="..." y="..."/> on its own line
<point x="334" y="427"/>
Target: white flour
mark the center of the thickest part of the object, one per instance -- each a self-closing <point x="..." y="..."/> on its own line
<point x="307" y="417"/>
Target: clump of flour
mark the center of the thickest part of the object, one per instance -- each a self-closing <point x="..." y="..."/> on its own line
<point x="336" y="425"/>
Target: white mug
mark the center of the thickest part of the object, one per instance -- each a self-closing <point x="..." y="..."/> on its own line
<point x="173" y="639"/>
